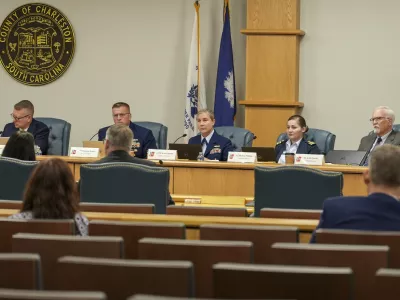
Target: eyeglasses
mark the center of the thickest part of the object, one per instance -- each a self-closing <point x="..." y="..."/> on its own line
<point x="120" y="115"/>
<point x="377" y="119"/>
<point x="18" y="118"/>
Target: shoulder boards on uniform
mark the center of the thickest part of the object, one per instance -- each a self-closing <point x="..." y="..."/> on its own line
<point x="280" y="142"/>
<point x="310" y="143"/>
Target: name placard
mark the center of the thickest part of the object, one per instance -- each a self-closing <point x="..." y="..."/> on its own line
<point x="192" y="201"/>
<point x="1" y="149"/>
<point x="242" y="157"/>
<point x="309" y="159"/>
<point x="161" y="154"/>
<point x="84" y="152"/>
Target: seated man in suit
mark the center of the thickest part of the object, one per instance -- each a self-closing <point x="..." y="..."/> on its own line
<point x="143" y="137"/>
<point x="22" y="116"/>
<point x="380" y="210"/>
<point x="215" y="147"/>
<point x="118" y="143"/>
<point x="382" y="120"/>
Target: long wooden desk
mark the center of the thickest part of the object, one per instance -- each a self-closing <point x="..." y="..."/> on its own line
<point x="193" y="223"/>
<point x="226" y="179"/>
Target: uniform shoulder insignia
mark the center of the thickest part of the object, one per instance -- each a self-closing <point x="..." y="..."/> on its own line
<point x="280" y="142"/>
<point x="310" y="143"/>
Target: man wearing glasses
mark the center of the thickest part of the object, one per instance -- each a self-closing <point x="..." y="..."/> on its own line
<point x="382" y="120"/>
<point x="22" y="117"/>
<point x="143" y="138"/>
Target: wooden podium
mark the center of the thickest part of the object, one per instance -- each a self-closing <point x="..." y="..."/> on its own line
<point x="272" y="67"/>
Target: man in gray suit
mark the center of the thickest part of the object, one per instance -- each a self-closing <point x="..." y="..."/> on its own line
<point x="382" y="119"/>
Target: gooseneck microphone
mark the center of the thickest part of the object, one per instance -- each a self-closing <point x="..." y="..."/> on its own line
<point x="97" y="133"/>
<point x="254" y="137"/>
<point x="182" y="136"/>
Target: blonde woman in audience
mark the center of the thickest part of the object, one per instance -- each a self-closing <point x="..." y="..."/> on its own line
<point x="51" y="193"/>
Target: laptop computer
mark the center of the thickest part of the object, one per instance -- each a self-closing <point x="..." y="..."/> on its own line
<point x="345" y="157"/>
<point x="3" y="140"/>
<point x="186" y="151"/>
<point x="263" y="153"/>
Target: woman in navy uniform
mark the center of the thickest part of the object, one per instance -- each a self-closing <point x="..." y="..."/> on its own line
<point x="295" y="130"/>
<point x="215" y="146"/>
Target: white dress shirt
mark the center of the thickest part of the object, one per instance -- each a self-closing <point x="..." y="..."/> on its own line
<point x="290" y="148"/>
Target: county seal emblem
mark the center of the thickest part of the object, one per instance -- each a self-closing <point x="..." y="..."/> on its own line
<point x="37" y="44"/>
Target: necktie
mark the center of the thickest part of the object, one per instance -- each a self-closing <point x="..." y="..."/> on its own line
<point x="379" y="141"/>
<point x="204" y="145"/>
<point x="204" y="141"/>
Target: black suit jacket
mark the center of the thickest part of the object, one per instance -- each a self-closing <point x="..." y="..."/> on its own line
<point x="123" y="156"/>
<point x="39" y="131"/>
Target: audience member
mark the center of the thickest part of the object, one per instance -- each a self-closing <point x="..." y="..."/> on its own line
<point x="20" y="145"/>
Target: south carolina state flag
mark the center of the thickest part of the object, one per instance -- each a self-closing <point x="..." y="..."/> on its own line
<point x="225" y="91"/>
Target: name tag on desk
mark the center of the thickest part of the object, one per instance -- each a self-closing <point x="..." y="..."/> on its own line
<point x="160" y="154"/>
<point x="84" y="152"/>
<point x="242" y="157"/>
<point x="309" y="159"/>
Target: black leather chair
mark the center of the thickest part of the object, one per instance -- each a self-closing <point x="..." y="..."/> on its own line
<point x="125" y="183"/>
<point x="14" y="174"/>
<point x="396" y="127"/>
<point x="325" y="140"/>
<point x="60" y="131"/>
<point x="160" y="132"/>
<point x="294" y="187"/>
<point x="239" y="137"/>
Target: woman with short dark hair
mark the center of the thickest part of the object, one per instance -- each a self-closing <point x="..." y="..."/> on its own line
<point x="20" y="145"/>
<point x="51" y="193"/>
<point x="295" y="143"/>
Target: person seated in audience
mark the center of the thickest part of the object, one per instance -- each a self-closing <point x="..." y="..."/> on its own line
<point x="143" y="137"/>
<point x="382" y="121"/>
<point x="20" y="145"/>
<point x="215" y="146"/>
<point x="380" y="210"/>
<point x="117" y="146"/>
<point x="51" y="193"/>
<point x="23" y="120"/>
<point x="295" y="143"/>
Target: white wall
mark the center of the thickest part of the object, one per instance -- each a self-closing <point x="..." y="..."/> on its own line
<point x="349" y="64"/>
<point x="129" y="50"/>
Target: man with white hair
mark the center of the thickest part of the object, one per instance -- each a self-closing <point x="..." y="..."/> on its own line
<point x="382" y="120"/>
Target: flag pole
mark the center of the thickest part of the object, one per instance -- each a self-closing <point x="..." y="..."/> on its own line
<point x="197" y="7"/>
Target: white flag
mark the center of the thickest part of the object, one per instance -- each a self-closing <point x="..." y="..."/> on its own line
<point x="195" y="90"/>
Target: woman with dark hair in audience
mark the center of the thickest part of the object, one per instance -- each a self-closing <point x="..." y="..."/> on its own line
<point x="51" y="193"/>
<point x="295" y="143"/>
<point x="21" y="145"/>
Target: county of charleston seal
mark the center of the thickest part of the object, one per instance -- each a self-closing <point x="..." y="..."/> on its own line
<point x="37" y="44"/>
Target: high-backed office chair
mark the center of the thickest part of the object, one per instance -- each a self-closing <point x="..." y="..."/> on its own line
<point x="159" y="131"/>
<point x="240" y="137"/>
<point x="60" y="131"/>
<point x="286" y="187"/>
<point x="325" y="140"/>
<point x="125" y="183"/>
<point x="14" y="174"/>
<point x="396" y="127"/>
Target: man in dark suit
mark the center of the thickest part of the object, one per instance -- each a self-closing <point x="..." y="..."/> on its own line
<point x="23" y="120"/>
<point x="118" y="143"/>
<point x="215" y="146"/>
<point x="143" y="137"/>
<point x="382" y="120"/>
<point x="380" y="210"/>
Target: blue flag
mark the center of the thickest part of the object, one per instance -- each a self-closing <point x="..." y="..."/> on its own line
<point x="225" y="91"/>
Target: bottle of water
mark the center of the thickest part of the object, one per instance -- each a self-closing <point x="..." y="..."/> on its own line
<point x="200" y="157"/>
<point x="38" y="151"/>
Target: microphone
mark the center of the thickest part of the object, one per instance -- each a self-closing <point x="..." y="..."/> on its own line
<point x="160" y="162"/>
<point x="182" y="136"/>
<point x="1" y="132"/>
<point x="254" y="137"/>
<point x="94" y="136"/>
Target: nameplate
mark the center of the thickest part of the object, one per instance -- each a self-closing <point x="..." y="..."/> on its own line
<point x="242" y="157"/>
<point x="192" y="200"/>
<point x="160" y="154"/>
<point x="84" y="152"/>
<point x="1" y="149"/>
<point x="309" y="159"/>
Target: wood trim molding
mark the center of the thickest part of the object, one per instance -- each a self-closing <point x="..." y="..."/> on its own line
<point x="271" y="103"/>
<point x="272" y="32"/>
